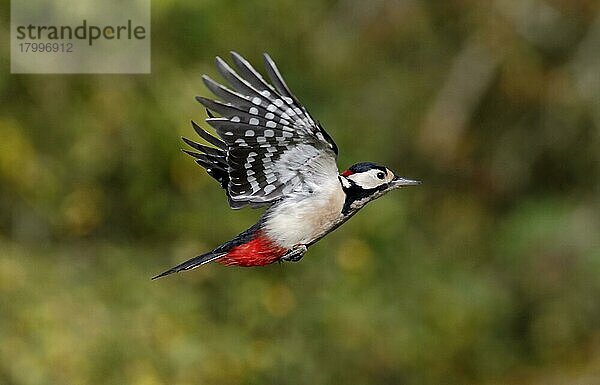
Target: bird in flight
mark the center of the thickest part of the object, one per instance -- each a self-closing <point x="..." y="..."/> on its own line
<point x="271" y="152"/>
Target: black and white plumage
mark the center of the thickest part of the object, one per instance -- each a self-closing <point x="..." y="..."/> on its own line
<point x="271" y="152"/>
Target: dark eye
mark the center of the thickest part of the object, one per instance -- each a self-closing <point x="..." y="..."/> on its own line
<point x="380" y="175"/>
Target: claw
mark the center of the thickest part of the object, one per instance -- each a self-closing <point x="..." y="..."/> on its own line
<point x="295" y="254"/>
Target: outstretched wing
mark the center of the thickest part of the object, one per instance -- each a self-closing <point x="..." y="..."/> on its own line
<point x="270" y="145"/>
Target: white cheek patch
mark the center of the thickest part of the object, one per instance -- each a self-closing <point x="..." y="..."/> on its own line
<point x="368" y="179"/>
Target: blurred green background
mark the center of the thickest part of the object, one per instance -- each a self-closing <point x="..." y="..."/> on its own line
<point x="488" y="273"/>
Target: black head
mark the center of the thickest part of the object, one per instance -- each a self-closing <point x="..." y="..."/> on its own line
<point x="366" y="181"/>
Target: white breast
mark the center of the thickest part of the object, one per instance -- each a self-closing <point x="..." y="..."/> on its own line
<point x="306" y="217"/>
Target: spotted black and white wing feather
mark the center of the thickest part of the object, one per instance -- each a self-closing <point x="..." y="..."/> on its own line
<point x="270" y="147"/>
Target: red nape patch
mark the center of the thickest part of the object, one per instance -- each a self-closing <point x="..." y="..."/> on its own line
<point x="259" y="251"/>
<point x="347" y="173"/>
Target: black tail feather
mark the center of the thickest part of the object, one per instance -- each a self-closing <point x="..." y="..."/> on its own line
<point x="217" y="253"/>
<point x="191" y="263"/>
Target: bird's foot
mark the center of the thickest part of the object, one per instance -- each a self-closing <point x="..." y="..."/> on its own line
<point x="295" y="254"/>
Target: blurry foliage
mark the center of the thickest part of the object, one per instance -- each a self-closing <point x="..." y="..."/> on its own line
<point x="487" y="273"/>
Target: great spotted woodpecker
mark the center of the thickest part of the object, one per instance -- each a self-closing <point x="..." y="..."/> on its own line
<point x="271" y="152"/>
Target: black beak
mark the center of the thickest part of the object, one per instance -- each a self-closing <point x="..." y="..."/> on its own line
<point x="398" y="182"/>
